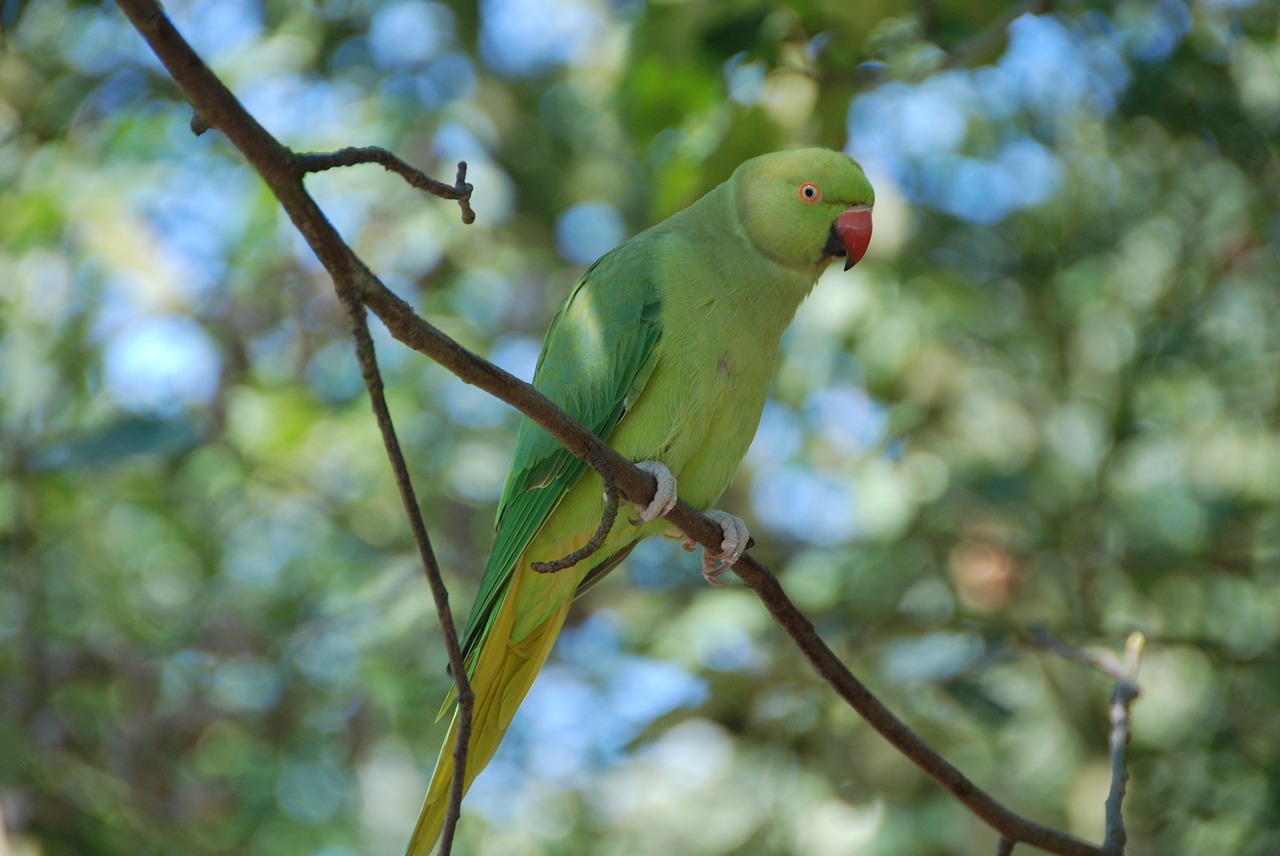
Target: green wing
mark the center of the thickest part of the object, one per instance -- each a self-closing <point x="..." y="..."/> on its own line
<point x="597" y="357"/>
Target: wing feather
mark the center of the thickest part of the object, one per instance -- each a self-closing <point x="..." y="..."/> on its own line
<point x="598" y="354"/>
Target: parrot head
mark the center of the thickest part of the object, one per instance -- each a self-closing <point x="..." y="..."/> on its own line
<point x="804" y="207"/>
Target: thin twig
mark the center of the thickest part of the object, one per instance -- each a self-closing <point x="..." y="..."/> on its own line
<point x="354" y="155"/>
<point x="353" y="279"/>
<point x="1115" y="838"/>
<point x="1125" y="675"/>
<point x="367" y="357"/>
<point x="1099" y="659"/>
<point x="607" y="517"/>
<point x="1004" y="847"/>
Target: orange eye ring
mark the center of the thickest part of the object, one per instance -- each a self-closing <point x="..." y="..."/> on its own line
<point x="810" y="192"/>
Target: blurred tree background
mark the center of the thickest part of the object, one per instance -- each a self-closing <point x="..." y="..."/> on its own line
<point x="1051" y="393"/>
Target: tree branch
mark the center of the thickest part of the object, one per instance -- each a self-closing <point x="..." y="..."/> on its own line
<point x="280" y="168"/>
<point x="215" y="107"/>
<point x="351" y="156"/>
<point x="366" y="356"/>
<point x="607" y="517"/>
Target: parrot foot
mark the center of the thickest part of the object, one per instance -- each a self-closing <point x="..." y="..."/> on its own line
<point x="736" y="538"/>
<point x="664" y="496"/>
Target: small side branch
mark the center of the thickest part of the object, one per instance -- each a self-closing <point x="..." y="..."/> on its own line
<point x="306" y="162"/>
<point x="610" y="514"/>
<point x="366" y="356"/>
<point x="1100" y="660"/>
<point x="1125" y="675"/>
<point x="1005" y="847"/>
<point x="1115" y="838"/>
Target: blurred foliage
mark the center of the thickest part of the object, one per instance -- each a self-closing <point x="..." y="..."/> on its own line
<point x="1050" y="393"/>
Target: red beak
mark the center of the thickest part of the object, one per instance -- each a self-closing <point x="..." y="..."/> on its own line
<point x="851" y="232"/>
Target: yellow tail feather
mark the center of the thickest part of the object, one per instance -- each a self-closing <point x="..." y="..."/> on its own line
<point x="500" y="678"/>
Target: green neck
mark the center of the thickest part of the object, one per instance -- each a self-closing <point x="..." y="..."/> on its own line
<point x="735" y="282"/>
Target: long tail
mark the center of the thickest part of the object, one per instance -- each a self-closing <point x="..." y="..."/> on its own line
<point x="500" y="678"/>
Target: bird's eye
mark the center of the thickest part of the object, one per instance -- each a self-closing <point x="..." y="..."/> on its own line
<point x="810" y="192"/>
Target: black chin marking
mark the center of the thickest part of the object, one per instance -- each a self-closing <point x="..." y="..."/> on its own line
<point x="834" y="247"/>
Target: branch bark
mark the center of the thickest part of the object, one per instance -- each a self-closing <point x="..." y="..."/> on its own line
<point x="284" y="171"/>
<point x="366" y="355"/>
<point x="1125" y="674"/>
<point x="351" y="156"/>
<point x="1122" y="698"/>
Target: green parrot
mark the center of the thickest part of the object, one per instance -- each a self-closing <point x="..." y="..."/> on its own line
<point x="664" y="349"/>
